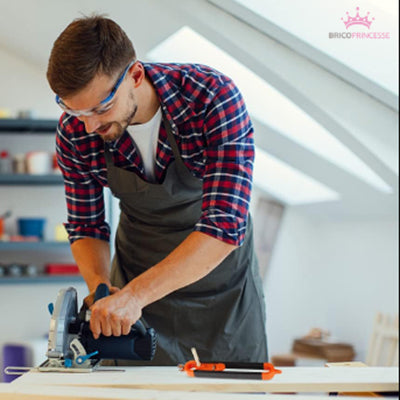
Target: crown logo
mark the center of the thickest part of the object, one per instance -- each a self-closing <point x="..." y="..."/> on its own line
<point x="357" y="20"/>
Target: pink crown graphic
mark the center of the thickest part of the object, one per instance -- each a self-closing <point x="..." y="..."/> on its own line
<point x="357" y="20"/>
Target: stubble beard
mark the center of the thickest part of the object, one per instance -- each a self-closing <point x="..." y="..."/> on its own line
<point x="118" y="128"/>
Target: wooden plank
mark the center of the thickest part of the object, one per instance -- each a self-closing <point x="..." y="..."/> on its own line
<point x="352" y="364"/>
<point x="292" y="379"/>
<point x="44" y="392"/>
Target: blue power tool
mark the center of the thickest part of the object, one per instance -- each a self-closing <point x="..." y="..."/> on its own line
<point x="72" y="347"/>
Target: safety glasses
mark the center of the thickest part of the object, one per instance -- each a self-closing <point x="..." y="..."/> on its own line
<point x="103" y="106"/>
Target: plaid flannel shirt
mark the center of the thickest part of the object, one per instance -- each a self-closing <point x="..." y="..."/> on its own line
<point x="213" y="132"/>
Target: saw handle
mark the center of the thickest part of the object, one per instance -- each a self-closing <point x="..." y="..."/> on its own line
<point x="103" y="290"/>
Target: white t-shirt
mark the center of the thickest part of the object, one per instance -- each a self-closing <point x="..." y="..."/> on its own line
<point x="146" y="138"/>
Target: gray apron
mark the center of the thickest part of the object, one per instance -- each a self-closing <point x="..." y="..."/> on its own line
<point x="223" y="314"/>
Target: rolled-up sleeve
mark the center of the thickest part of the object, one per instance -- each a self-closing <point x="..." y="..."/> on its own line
<point x="229" y="157"/>
<point x="83" y="193"/>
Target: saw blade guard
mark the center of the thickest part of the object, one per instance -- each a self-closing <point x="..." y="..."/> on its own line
<point x="65" y="312"/>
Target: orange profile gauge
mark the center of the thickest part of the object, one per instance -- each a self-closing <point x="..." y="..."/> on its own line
<point x="230" y="370"/>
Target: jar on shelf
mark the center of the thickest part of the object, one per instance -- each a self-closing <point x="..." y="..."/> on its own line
<point x="14" y="270"/>
<point x="5" y="162"/>
<point x="19" y="164"/>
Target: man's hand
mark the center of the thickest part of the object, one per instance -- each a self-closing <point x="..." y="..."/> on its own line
<point x="115" y="314"/>
<point x="89" y="299"/>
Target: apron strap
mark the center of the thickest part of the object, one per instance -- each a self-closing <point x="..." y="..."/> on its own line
<point x="171" y="138"/>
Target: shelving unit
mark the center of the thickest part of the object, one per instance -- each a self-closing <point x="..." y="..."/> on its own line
<point x="27" y="126"/>
<point x="29" y="179"/>
<point x="9" y="246"/>
<point x="41" y="250"/>
<point x="41" y="279"/>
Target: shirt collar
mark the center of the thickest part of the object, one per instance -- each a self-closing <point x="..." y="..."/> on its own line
<point x="165" y="79"/>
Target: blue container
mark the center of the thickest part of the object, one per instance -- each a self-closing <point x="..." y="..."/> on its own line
<point x="31" y="227"/>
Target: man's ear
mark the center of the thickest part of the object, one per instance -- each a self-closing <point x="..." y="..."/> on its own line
<point x="137" y="73"/>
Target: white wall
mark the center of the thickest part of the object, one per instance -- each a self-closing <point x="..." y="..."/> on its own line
<point x="24" y="87"/>
<point x="333" y="275"/>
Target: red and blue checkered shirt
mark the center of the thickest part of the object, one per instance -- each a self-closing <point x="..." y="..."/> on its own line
<point x="214" y="135"/>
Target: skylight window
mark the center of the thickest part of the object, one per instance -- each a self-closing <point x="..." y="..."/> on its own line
<point x="265" y="103"/>
<point x="376" y="59"/>
<point x="287" y="183"/>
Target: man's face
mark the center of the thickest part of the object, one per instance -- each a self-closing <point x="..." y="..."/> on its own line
<point x="111" y="124"/>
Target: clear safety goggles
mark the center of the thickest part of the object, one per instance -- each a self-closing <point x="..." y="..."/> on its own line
<point x="103" y="106"/>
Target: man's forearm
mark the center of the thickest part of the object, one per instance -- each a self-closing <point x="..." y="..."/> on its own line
<point x="93" y="259"/>
<point x="193" y="259"/>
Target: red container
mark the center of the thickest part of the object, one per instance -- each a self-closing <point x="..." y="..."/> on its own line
<point x="61" y="269"/>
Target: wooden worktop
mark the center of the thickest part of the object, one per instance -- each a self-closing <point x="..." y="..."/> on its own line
<point x="56" y="392"/>
<point x="153" y="381"/>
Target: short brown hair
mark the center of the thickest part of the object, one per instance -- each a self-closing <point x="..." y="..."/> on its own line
<point x="87" y="46"/>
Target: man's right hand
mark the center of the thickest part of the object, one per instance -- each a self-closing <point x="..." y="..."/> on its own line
<point x="114" y="315"/>
<point x="89" y="299"/>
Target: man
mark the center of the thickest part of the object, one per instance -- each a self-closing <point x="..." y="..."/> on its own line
<point x="175" y="145"/>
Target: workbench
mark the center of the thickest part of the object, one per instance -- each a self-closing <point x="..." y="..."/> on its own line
<point x="170" y="383"/>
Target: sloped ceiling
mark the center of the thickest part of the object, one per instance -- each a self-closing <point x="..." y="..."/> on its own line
<point x="29" y="28"/>
<point x="367" y="125"/>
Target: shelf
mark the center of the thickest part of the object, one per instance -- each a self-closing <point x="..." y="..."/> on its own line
<point x="41" y="279"/>
<point x="28" y="126"/>
<point x="40" y="245"/>
<point x="29" y="179"/>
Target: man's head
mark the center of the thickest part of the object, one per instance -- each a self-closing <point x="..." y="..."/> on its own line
<point x="94" y="73"/>
<point x="87" y="47"/>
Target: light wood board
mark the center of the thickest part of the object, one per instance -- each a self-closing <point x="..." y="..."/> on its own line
<point x="292" y="379"/>
<point x="43" y="392"/>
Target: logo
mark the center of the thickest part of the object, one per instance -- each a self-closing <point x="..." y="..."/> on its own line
<point x="359" y="22"/>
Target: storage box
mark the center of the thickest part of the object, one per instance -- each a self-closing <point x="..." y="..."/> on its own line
<point x="61" y="269"/>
